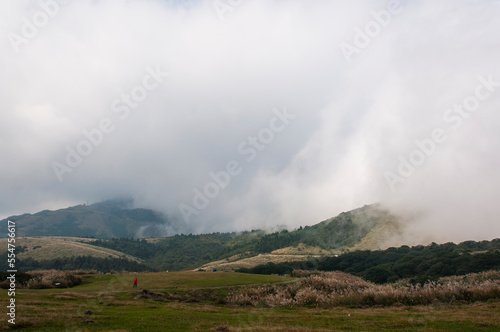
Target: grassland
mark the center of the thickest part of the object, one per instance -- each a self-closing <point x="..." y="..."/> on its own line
<point x="297" y="253"/>
<point x="108" y="303"/>
<point x="227" y="265"/>
<point x="52" y="247"/>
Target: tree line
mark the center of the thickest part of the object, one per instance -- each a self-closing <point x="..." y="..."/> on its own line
<point x="181" y="252"/>
<point x="78" y="263"/>
<point x="418" y="263"/>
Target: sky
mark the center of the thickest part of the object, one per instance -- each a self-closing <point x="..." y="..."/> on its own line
<point x="235" y="114"/>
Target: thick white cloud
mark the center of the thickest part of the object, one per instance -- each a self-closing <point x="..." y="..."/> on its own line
<point x="226" y="79"/>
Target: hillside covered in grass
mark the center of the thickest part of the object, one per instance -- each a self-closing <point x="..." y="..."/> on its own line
<point x="188" y="251"/>
<point x="110" y="219"/>
<point x="332" y="245"/>
<point x="332" y="236"/>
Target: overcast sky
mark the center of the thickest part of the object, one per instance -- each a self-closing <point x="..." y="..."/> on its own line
<point x="231" y="115"/>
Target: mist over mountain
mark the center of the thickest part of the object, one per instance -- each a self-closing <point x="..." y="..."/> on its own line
<point x="119" y="219"/>
<point x="109" y="219"/>
<point x="113" y="230"/>
<point x="76" y="231"/>
<point x="258" y="115"/>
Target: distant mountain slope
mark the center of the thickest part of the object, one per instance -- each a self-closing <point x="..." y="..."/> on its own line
<point x="333" y="235"/>
<point x="115" y="225"/>
<point x="48" y="248"/>
<point x="347" y="229"/>
<point x="109" y="219"/>
<point x="367" y="226"/>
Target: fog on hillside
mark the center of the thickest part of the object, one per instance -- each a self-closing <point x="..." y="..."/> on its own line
<point x="233" y="115"/>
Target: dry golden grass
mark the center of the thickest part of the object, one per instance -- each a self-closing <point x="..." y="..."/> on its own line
<point x="261" y="259"/>
<point x="329" y="289"/>
<point x="303" y="249"/>
<point x="387" y="233"/>
<point x="40" y="248"/>
<point x="85" y="309"/>
<point x="73" y="296"/>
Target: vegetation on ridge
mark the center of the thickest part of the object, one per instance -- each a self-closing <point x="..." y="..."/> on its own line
<point x="421" y="263"/>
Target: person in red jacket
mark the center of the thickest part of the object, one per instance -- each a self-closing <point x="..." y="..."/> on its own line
<point x="135" y="282"/>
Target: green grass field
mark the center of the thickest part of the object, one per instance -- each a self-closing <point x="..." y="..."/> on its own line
<point x="171" y="280"/>
<point x="109" y="303"/>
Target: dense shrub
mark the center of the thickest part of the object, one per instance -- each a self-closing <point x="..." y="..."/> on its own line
<point x="337" y="288"/>
<point x="83" y="263"/>
<point x="421" y="263"/>
<point x="44" y="279"/>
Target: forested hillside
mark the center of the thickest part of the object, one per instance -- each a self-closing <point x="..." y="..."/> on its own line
<point x="178" y="252"/>
<point x="78" y="263"/>
<point x="181" y="252"/>
<point x="110" y="219"/>
<point x="418" y="262"/>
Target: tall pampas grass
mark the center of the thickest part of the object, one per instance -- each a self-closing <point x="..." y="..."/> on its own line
<point x="327" y="289"/>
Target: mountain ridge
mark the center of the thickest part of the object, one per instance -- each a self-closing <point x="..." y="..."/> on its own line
<point x="368" y="227"/>
<point x="108" y="219"/>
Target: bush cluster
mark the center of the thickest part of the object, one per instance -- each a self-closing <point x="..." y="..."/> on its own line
<point x="329" y="289"/>
<point x="45" y="279"/>
<point x="421" y="263"/>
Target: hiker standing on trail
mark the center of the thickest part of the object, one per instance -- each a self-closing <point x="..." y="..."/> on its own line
<point x="135" y="282"/>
